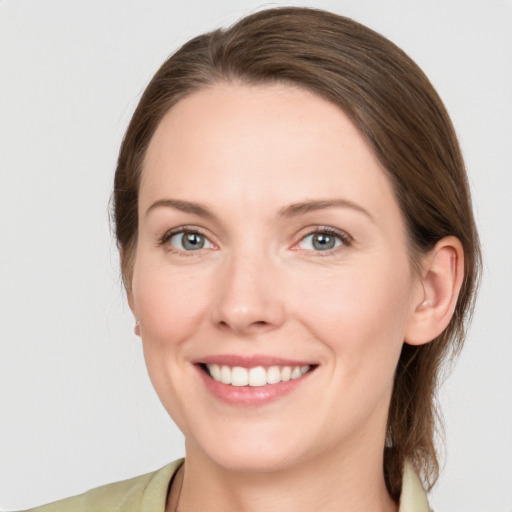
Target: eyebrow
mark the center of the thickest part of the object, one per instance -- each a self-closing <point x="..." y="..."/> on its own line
<point x="302" y="208"/>
<point x="183" y="206"/>
<point x="292" y="210"/>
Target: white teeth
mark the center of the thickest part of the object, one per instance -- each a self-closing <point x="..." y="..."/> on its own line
<point x="225" y="375"/>
<point x="239" y="376"/>
<point x="215" y="371"/>
<point x="286" y="373"/>
<point x="296" y="373"/>
<point x="257" y="376"/>
<point x="273" y="375"/>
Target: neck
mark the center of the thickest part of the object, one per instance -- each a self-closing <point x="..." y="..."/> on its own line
<point x="353" y="482"/>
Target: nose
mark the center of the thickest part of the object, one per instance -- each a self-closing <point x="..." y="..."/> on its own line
<point x="249" y="298"/>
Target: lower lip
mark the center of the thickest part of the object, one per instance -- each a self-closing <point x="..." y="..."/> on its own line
<point x="250" y="395"/>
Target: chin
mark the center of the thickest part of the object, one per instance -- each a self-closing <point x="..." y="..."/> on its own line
<point x="249" y="453"/>
<point x="255" y="461"/>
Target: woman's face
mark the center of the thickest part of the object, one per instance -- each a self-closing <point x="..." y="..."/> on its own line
<point x="270" y="244"/>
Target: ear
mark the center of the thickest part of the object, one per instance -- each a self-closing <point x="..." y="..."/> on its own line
<point x="129" y="296"/>
<point x="442" y="273"/>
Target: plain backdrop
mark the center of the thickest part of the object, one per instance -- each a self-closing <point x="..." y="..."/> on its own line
<point x="76" y="406"/>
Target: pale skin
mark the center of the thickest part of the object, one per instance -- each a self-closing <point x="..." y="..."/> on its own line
<point x="263" y="176"/>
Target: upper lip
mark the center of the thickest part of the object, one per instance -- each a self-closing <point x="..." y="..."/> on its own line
<point x="251" y="361"/>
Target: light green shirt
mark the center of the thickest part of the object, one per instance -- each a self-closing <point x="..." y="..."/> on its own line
<point x="148" y="493"/>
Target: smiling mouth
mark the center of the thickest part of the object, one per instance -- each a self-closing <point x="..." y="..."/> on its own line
<point x="257" y="376"/>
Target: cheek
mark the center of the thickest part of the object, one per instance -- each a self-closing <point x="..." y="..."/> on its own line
<point x="360" y="314"/>
<point x="168" y="304"/>
<point x="171" y="306"/>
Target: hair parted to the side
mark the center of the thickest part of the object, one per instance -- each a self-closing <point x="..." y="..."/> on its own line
<point x="399" y="113"/>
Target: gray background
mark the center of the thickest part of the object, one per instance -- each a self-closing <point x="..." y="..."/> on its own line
<point x="76" y="407"/>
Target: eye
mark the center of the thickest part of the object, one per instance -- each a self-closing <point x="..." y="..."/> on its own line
<point x="187" y="241"/>
<point x="323" y="240"/>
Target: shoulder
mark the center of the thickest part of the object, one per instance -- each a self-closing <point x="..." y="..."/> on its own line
<point x="413" y="497"/>
<point x="143" y="493"/>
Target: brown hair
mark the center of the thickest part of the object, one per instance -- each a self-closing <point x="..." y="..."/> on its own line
<point x="404" y="121"/>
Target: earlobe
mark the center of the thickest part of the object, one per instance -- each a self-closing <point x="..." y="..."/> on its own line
<point x="136" y="327"/>
<point x="441" y="278"/>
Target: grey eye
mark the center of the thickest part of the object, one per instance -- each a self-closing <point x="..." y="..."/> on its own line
<point x="320" y="242"/>
<point x="189" y="241"/>
<point x="323" y="242"/>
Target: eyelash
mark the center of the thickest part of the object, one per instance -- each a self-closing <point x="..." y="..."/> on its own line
<point x="177" y="231"/>
<point x="345" y="239"/>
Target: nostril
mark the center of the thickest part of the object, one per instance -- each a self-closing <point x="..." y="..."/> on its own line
<point x="248" y="316"/>
<point x="260" y="323"/>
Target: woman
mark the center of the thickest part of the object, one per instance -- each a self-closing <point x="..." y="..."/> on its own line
<point x="300" y="256"/>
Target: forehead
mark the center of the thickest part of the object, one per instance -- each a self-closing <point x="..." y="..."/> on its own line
<point x="261" y="143"/>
